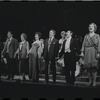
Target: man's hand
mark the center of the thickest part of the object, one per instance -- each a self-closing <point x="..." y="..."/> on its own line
<point x="98" y="56"/>
<point x="56" y="58"/>
<point x="2" y="56"/>
<point x="15" y="55"/>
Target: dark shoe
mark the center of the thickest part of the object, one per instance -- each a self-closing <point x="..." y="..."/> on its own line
<point x="54" y="82"/>
<point x="8" y="77"/>
<point x="33" y="80"/>
<point x="94" y="84"/>
<point x="46" y="82"/>
<point x="24" y="78"/>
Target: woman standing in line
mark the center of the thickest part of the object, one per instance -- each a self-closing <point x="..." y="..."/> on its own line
<point x="22" y="52"/>
<point x="60" y="62"/>
<point x="91" y="53"/>
<point x="35" y="54"/>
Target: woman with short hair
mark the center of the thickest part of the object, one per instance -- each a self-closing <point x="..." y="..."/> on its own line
<point x="22" y="52"/>
<point x="91" y="53"/>
<point x="35" y="54"/>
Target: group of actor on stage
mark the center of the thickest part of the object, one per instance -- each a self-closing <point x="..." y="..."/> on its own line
<point x="65" y="51"/>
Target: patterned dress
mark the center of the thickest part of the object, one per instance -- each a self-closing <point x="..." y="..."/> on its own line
<point x="90" y="47"/>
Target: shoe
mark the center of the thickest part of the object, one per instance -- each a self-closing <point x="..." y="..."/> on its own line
<point x="94" y="84"/>
<point x="54" y="82"/>
<point x="46" y="82"/>
<point x="23" y="78"/>
<point x="33" y="80"/>
<point x="89" y="83"/>
<point x="8" y="77"/>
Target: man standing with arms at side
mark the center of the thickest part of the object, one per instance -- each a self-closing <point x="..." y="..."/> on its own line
<point x="51" y="48"/>
<point x="70" y="50"/>
<point x="9" y="50"/>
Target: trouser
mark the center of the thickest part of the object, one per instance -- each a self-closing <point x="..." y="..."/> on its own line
<point x="52" y="65"/>
<point x="70" y="67"/>
<point x="10" y="64"/>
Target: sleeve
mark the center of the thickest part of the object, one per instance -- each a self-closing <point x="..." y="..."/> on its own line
<point x="77" y="47"/>
<point x="27" y="47"/>
<point x="62" y="50"/>
<point x="56" y="49"/>
<point x="5" y="48"/>
<point x="98" y="44"/>
<point x="83" y="45"/>
<point x="44" y="50"/>
<point x="16" y="45"/>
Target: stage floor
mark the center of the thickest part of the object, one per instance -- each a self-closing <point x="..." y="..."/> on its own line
<point x="19" y="89"/>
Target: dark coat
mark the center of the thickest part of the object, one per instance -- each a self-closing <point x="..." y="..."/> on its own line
<point x="73" y="47"/>
<point x="53" y="51"/>
<point x="12" y="48"/>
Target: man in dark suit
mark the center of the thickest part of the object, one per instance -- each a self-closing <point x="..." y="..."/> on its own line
<point x="70" y="50"/>
<point x="9" y="50"/>
<point x="51" y="48"/>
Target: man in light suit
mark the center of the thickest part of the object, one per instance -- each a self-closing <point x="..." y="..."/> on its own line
<point x="70" y="50"/>
<point x="9" y="50"/>
<point x="51" y="48"/>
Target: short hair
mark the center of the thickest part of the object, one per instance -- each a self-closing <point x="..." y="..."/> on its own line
<point x="63" y="32"/>
<point x="39" y="34"/>
<point x="95" y="26"/>
<point x="24" y="35"/>
<point x="53" y="31"/>
<point x="10" y="32"/>
<point x="70" y="32"/>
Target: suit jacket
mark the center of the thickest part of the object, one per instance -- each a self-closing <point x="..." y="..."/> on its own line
<point x="53" y="50"/>
<point x="73" y="47"/>
<point x="12" y="48"/>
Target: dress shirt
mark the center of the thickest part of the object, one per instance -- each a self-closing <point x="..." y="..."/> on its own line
<point x="67" y="45"/>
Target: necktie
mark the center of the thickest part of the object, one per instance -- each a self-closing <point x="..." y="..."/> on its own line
<point x="8" y="43"/>
<point x="49" y="43"/>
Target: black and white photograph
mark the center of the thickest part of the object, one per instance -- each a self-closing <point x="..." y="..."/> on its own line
<point x="49" y="50"/>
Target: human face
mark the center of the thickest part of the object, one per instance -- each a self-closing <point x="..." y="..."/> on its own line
<point x="68" y="34"/>
<point x="91" y="28"/>
<point x="63" y="35"/>
<point x="36" y="37"/>
<point x="9" y="35"/>
<point x="51" y="34"/>
<point x="22" y="38"/>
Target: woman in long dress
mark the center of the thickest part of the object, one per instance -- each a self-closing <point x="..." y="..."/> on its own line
<point x="91" y="53"/>
<point x="60" y="62"/>
<point x="34" y="56"/>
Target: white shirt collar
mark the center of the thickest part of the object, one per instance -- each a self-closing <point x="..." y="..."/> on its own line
<point x="10" y="38"/>
<point x="51" y="38"/>
<point x="69" y="38"/>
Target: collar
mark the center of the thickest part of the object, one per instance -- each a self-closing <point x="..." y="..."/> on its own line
<point x="10" y="38"/>
<point x="69" y="38"/>
<point x="23" y="42"/>
<point x="51" y="38"/>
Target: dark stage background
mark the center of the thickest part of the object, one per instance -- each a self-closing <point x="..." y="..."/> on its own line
<point x="29" y="17"/>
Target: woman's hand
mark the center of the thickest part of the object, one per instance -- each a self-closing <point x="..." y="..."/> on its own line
<point x="82" y="54"/>
<point x="15" y="55"/>
<point x="98" y="56"/>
